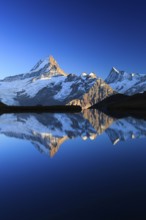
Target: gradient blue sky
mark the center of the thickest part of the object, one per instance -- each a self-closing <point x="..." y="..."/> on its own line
<point x="81" y="35"/>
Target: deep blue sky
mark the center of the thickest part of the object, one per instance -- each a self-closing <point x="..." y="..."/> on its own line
<point x="81" y="35"/>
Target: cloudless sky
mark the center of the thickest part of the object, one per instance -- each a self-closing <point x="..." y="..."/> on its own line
<point x="82" y="35"/>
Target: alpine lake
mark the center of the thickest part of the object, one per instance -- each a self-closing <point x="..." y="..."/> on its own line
<point x="72" y="166"/>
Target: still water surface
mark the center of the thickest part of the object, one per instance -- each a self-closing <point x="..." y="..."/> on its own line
<point x="72" y="166"/>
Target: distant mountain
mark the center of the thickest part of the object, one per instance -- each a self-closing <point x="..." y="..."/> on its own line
<point x="48" y="84"/>
<point x="126" y="83"/>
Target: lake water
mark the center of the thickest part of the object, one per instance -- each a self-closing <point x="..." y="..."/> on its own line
<point x="72" y="166"/>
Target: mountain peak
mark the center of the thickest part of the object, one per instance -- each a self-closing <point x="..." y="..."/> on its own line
<point x="113" y="76"/>
<point x="115" y="70"/>
<point x="52" y="60"/>
<point x="48" y="66"/>
<point x="92" y="75"/>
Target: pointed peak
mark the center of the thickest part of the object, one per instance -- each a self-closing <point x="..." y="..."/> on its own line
<point x="48" y="66"/>
<point x="115" y="70"/>
<point x="52" y="60"/>
<point x="113" y="76"/>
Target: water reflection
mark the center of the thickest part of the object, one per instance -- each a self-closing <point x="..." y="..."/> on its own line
<point x="126" y="128"/>
<point x="47" y="132"/>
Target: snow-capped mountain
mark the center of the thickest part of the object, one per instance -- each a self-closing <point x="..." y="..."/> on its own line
<point x="48" y="84"/>
<point x="126" y="83"/>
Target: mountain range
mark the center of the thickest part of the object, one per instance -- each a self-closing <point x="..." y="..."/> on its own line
<point x="126" y="83"/>
<point x="47" y="84"/>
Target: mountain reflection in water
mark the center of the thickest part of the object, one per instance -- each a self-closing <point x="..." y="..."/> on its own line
<point x="47" y="132"/>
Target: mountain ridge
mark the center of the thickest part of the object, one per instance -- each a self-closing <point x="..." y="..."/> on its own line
<point x="47" y="84"/>
<point x="126" y="83"/>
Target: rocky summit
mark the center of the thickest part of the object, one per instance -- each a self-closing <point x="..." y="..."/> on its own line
<point x="47" y="84"/>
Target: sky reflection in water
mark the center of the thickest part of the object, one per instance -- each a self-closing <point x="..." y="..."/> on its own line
<point x="97" y="166"/>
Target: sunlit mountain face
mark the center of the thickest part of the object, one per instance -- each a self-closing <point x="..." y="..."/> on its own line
<point x="48" y="84"/>
<point x="47" y="132"/>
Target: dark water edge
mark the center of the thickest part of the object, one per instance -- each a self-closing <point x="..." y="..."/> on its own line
<point x="40" y="109"/>
<point x="120" y="112"/>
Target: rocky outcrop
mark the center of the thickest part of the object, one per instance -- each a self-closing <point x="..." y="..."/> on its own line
<point x="99" y="91"/>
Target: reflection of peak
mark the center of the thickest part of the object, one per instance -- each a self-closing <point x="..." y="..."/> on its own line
<point x="50" y="143"/>
<point x="47" y="131"/>
<point x="58" y="143"/>
<point x="127" y="128"/>
<point x="98" y="120"/>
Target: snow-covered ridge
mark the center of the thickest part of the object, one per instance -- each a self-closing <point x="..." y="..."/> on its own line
<point x="45" y="67"/>
<point x="127" y="83"/>
<point x="48" y="84"/>
<point x="40" y="65"/>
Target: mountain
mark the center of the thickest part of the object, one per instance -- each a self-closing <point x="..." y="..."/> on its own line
<point x="126" y="83"/>
<point x="98" y="92"/>
<point x="48" y="84"/>
<point x="48" y="67"/>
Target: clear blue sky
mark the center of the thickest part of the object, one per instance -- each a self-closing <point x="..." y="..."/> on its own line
<point x="82" y="35"/>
